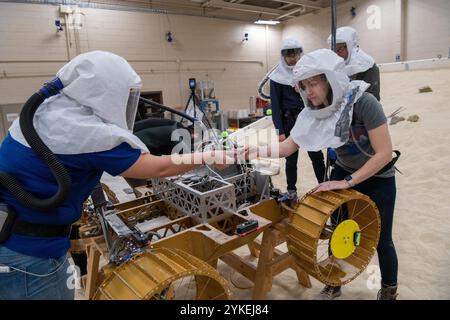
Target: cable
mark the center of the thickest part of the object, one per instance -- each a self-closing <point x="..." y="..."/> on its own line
<point x="179" y="113"/>
<point x="205" y="121"/>
<point x="209" y="143"/>
<point x="261" y="85"/>
<point x="205" y="117"/>
<point x="210" y="169"/>
<point x="169" y="109"/>
<point x="58" y="170"/>
<point x="39" y="275"/>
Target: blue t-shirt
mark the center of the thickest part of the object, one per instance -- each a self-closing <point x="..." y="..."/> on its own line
<point x="85" y="171"/>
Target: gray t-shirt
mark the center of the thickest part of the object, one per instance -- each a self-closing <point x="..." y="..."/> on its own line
<point x="368" y="114"/>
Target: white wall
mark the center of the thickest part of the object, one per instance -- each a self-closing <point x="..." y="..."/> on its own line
<point x="313" y="29"/>
<point x="32" y="51"/>
<point x="426" y="28"/>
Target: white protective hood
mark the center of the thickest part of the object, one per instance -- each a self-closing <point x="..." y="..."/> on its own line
<point x="90" y="114"/>
<point x="316" y="129"/>
<point x="357" y="60"/>
<point x="283" y="73"/>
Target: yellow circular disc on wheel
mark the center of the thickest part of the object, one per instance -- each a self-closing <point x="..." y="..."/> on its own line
<point x="342" y="241"/>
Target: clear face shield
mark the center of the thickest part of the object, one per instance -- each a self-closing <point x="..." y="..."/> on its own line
<point x="132" y="105"/>
<point x="317" y="81"/>
<point x="296" y="52"/>
<point x="291" y="56"/>
<point x="301" y="90"/>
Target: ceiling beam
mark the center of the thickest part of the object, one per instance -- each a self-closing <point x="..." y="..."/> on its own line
<point x="285" y="6"/>
<point x="301" y="9"/>
<point x="241" y="7"/>
<point x="306" y="3"/>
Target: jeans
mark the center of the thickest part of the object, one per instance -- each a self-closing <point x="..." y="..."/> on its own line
<point x="15" y="285"/>
<point x="382" y="191"/>
<point x="316" y="157"/>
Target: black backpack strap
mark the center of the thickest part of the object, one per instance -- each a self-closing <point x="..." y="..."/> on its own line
<point x="391" y="163"/>
<point x="41" y="230"/>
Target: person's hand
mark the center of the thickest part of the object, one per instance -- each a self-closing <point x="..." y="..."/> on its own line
<point x="331" y="185"/>
<point x="250" y="153"/>
<point x="281" y="137"/>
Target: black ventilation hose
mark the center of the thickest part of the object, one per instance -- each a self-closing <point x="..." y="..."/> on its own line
<point x="163" y="107"/>
<point x="45" y="154"/>
<point x="181" y="114"/>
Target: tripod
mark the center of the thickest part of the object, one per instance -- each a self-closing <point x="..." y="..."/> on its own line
<point x="195" y="102"/>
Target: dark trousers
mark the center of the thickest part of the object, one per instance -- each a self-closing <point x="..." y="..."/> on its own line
<point x="317" y="160"/>
<point x="382" y="191"/>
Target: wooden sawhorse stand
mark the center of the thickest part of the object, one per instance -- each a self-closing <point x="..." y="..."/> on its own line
<point x="271" y="261"/>
<point x="94" y="250"/>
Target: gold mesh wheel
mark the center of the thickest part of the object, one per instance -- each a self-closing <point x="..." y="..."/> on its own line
<point x="164" y="274"/>
<point x="313" y="223"/>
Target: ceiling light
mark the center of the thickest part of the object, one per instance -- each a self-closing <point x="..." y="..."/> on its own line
<point x="271" y="22"/>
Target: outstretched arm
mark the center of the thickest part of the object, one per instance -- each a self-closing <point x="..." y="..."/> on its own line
<point x="274" y="150"/>
<point x="149" y="166"/>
